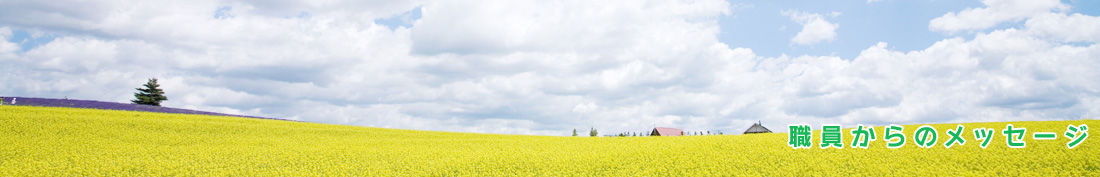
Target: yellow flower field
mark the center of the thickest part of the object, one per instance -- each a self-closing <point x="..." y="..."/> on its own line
<point x="42" y="141"/>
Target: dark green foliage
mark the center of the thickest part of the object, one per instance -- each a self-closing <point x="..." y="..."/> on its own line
<point x="593" y="133"/>
<point x="150" y="95"/>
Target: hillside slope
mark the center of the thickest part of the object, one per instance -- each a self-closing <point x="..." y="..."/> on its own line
<point x="92" y="104"/>
<point x="49" y="141"/>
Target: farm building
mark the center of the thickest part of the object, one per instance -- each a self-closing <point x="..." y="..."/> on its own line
<point x="757" y="128"/>
<point x="662" y="131"/>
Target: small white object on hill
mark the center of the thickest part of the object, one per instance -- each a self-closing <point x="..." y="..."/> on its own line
<point x="13" y="101"/>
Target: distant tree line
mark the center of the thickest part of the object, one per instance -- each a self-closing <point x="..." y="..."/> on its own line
<point x="594" y="133"/>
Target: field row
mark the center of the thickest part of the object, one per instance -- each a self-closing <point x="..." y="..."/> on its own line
<point x="43" y="141"/>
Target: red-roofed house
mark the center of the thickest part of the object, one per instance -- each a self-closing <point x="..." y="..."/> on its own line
<point x="662" y="131"/>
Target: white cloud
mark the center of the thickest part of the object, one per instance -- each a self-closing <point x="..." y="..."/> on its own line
<point x="814" y="27"/>
<point x="585" y="107"/>
<point x="1067" y="28"/>
<point x="257" y="61"/>
<point x="534" y="67"/>
<point x="995" y="12"/>
<point x="7" y="49"/>
<point x="582" y="26"/>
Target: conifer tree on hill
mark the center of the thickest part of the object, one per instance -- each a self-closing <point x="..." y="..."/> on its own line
<point x="150" y="95"/>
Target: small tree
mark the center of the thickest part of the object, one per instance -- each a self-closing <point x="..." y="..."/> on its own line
<point x="593" y="133"/>
<point x="150" y="95"/>
<point x="574" y="132"/>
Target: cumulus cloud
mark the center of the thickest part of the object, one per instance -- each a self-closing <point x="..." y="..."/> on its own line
<point x="534" y="67"/>
<point x="471" y="28"/>
<point x="7" y="49"/>
<point x="1067" y="28"/>
<point x="814" y="27"/>
<point x="995" y="12"/>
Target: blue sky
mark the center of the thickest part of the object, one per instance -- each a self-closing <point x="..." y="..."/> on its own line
<point x="547" y="67"/>
<point x="759" y="25"/>
<point x="903" y="24"/>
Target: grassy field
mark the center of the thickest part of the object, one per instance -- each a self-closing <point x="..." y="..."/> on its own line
<point x="43" y="141"/>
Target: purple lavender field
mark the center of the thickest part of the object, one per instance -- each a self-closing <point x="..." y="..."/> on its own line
<point x="47" y="102"/>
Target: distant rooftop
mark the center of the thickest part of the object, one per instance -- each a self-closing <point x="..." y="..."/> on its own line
<point x="665" y="131"/>
<point x="757" y="128"/>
